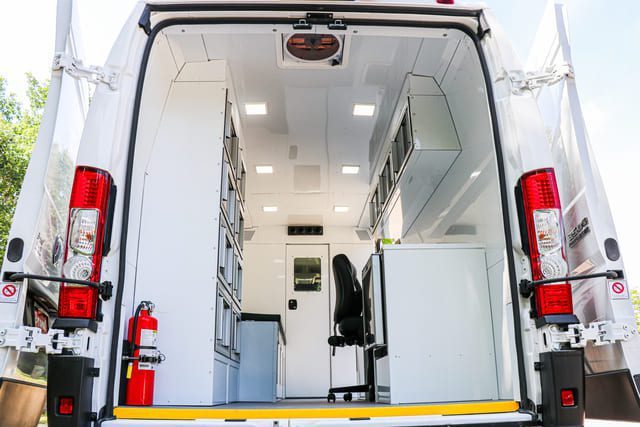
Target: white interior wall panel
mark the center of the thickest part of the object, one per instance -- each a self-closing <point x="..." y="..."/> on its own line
<point x="265" y="275"/>
<point x="179" y="229"/>
<point x="505" y="363"/>
<point x="152" y="104"/>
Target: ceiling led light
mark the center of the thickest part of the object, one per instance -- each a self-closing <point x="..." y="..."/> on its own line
<point x="255" y="108"/>
<point x="350" y="169"/>
<point x="364" y="110"/>
<point x="269" y="209"/>
<point x="263" y="169"/>
<point x="341" y="209"/>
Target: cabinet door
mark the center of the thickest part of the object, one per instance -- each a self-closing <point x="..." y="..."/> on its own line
<point x="224" y="324"/>
<point x="235" y="339"/>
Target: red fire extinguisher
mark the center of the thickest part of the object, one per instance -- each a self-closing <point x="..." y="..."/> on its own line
<point x="143" y="355"/>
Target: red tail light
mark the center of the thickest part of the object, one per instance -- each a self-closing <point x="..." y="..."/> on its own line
<point x="85" y="237"/>
<point x="567" y="397"/>
<point x="444" y="1"/>
<point x="545" y="234"/>
<point x="65" y="406"/>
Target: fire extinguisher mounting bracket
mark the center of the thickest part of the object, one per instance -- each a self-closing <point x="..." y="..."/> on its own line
<point x="105" y="289"/>
<point x="527" y="286"/>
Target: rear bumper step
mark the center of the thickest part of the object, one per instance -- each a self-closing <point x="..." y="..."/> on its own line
<point x="351" y="412"/>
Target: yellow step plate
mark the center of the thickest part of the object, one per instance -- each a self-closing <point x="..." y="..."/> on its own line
<point x="190" y="413"/>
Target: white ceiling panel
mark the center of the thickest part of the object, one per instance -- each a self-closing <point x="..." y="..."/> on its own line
<point x="309" y="111"/>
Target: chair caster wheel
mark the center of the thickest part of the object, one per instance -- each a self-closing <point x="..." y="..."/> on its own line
<point x="331" y="398"/>
<point x="348" y="397"/>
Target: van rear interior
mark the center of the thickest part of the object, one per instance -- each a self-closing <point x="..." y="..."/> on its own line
<point x="385" y="134"/>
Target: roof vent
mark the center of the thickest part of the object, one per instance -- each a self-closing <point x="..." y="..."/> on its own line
<point x="312" y="51"/>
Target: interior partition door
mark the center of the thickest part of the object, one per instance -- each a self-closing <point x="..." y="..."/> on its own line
<point x="307" y="319"/>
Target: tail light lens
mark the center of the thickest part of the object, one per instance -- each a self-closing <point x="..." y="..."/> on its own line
<point x="88" y="211"/>
<point x="567" y="397"/>
<point x="546" y="243"/>
<point x="65" y="406"/>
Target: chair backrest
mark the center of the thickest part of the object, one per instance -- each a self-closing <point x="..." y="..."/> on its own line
<point x="348" y="289"/>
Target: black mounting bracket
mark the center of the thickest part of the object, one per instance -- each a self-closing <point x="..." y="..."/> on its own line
<point x="527" y="286"/>
<point x="105" y="289"/>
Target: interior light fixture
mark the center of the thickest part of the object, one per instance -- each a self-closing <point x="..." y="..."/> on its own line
<point x="350" y="169"/>
<point x="341" y="209"/>
<point x="364" y="110"/>
<point x="255" y="108"/>
<point x="264" y="169"/>
<point x="269" y="209"/>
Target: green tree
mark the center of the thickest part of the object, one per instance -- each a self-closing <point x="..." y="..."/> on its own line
<point x="18" y="132"/>
<point x="635" y="297"/>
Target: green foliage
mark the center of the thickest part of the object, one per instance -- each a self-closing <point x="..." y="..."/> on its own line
<point x="18" y="132"/>
<point x="635" y="297"/>
<point x="9" y="105"/>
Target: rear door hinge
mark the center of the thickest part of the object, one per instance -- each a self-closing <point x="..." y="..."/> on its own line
<point x="93" y="74"/>
<point x="31" y="339"/>
<point x="597" y="333"/>
<point x="521" y="81"/>
<point x="319" y="18"/>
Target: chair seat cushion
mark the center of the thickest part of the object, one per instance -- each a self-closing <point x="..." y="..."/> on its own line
<point x="352" y="329"/>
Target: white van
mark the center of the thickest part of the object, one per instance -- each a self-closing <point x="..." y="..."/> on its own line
<point x="335" y="213"/>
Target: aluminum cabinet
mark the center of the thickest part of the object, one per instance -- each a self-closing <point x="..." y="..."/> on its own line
<point x="440" y="340"/>
<point x="262" y="342"/>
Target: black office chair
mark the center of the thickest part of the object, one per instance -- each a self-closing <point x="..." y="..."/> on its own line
<point x="347" y="319"/>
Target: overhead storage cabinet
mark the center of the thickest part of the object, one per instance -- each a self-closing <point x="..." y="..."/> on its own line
<point x="422" y="144"/>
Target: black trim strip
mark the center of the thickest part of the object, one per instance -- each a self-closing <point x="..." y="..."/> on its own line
<point x="525" y="405"/>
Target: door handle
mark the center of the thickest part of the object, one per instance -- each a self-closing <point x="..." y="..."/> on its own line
<point x="293" y="304"/>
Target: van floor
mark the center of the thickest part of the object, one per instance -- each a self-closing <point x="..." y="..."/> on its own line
<point x="312" y="408"/>
<point x="300" y="404"/>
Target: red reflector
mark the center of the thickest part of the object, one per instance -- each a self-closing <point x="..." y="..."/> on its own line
<point x="77" y="301"/>
<point x="567" y="397"/>
<point x="444" y="1"/>
<point x="90" y="188"/>
<point x="65" y="405"/>
<point x="554" y="299"/>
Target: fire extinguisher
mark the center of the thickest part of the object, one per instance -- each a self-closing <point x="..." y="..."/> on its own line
<point x="143" y="355"/>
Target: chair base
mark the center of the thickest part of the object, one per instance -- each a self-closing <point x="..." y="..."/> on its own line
<point x="348" y="390"/>
<point x="351" y="388"/>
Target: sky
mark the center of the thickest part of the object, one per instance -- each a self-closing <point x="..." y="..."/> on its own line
<point x="606" y="59"/>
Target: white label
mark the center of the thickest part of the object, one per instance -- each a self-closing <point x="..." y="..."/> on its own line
<point x="618" y="289"/>
<point x="148" y="338"/>
<point x="9" y="292"/>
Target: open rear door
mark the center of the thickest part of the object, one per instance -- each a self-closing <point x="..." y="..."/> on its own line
<point x="613" y="371"/>
<point x="36" y="239"/>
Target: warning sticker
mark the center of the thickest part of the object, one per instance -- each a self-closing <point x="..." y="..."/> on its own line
<point x="148" y="338"/>
<point x="618" y="289"/>
<point x="9" y="292"/>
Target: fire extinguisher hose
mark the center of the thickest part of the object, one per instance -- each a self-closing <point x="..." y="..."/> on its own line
<point x="143" y="305"/>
